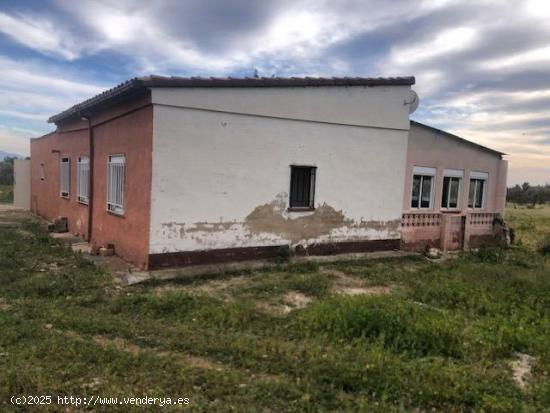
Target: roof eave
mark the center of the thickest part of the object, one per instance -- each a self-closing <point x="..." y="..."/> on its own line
<point x="466" y="141"/>
<point x="197" y="82"/>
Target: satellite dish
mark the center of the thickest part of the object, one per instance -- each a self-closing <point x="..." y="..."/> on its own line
<point x="413" y="100"/>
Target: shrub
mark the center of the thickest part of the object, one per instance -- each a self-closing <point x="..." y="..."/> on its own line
<point x="544" y="247"/>
<point x="491" y="255"/>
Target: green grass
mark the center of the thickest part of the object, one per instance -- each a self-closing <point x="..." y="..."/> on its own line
<point x="531" y="224"/>
<point x="441" y="341"/>
<point x="6" y="194"/>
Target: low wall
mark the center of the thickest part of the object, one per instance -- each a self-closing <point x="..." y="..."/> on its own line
<point x="449" y="231"/>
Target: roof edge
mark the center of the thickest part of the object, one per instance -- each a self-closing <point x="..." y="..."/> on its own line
<point x="137" y="83"/>
<point x="462" y="140"/>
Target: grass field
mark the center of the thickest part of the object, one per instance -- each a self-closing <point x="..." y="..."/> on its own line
<point x="388" y="335"/>
<point x="532" y="225"/>
<point x="6" y="194"/>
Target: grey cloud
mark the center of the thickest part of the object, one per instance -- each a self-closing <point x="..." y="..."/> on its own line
<point x="215" y="25"/>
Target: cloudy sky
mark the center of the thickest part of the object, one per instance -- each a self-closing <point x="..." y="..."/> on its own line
<point x="482" y="67"/>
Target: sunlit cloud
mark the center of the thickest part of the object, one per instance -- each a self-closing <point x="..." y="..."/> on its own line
<point x="520" y="60"/>
<point x="448" y="41"/>
<point x="482" y="68"/>
<point x="39" y="33"/>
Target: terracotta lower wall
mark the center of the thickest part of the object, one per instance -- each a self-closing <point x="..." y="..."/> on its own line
<point x="128" y="133"/>
<point x="45" y="197"/>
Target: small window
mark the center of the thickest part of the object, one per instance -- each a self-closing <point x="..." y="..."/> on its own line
<point x="83" y="179"/>
<point x="477" y="190"/>
<point x="65" y="177"/>
<point x="42" y="172"/>
<point x="115" y="187"/>
<point x="422" y="187"/>
<point x="302" y="187"/>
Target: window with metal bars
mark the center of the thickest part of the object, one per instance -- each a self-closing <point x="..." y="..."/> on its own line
<point x="115" y="185"/>
<point x="83" y="179"/>
<point x="64" y="177"/>
<point x="302" y="187"/>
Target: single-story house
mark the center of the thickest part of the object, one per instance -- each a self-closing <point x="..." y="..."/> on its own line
<point x="181" y="171"/>
<point x="455" y="191"/>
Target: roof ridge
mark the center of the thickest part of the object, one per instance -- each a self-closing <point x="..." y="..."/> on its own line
<point x="153" y="80"/>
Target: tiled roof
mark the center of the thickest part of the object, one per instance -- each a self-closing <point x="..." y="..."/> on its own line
<point x="173" y="81"/>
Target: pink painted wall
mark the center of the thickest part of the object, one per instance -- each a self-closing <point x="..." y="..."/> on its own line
<point x="434" y="149"/>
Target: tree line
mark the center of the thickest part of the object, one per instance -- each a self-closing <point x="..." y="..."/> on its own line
<point x="6" y="171"/>
<point x="527" y="194"/>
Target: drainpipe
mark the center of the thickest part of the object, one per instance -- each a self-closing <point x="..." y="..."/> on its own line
<point x="88" y="117"/>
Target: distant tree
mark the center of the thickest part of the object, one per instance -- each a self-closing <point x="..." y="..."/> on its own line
<point x="6" y="171"/>
<point x="527" y="194"/>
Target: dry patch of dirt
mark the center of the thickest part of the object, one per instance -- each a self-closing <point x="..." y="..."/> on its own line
<point x="187" y="359"/>
<point x="347" y="285"/>
<point x="179" y="358"/>
<point x="119" y="343"/>
<point x="4" y="306"/>
<point x="293" y="300"/>
<point x="297" y="299"/>
<point x="521" y="369"/>
<point x="376" y="290"/>
<point x="25" y="233"/>
<point x="128" y="347"/>
<point x="213" y="288"/>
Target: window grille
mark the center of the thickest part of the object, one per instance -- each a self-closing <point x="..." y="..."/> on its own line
<point x="302" y="186"/>
<point x="115" y="187"/>
<point x="65" y="177"/>
<point x="83" y="179"/>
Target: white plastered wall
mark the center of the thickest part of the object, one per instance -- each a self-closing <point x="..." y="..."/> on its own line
<point x="221" y="154"/>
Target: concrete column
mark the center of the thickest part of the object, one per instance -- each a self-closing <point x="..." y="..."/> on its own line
<point x="22" y="183"/>
<point x="500" y="196"/>
<point x="466" y="243"/>
<point x="445" y="233"/>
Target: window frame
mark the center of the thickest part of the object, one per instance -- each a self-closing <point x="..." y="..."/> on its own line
<point x="79" y="197"/>
<point x="113" y="207"/>
<point x="452" y="174"/>
<point x="423" y="172"/>
<point x="478" y="177"/>
<point x="312" y="184"/>
<point x="65" y="160"/>
<point x="42" y="171"/>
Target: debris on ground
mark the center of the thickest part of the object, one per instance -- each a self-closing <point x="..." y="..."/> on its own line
<point x="346" y="285"/>
<point x="521" y="369"/>
<point x="291" y="301"/>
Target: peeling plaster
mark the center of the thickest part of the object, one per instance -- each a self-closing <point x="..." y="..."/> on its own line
<point x="273" y="218"/>
<point x="272" y="223"/>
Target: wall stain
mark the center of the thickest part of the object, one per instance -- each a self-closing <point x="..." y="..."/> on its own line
<point x="270" y="218"/>
<point x="179" y="229"/>
<point x="273" y="218"/>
